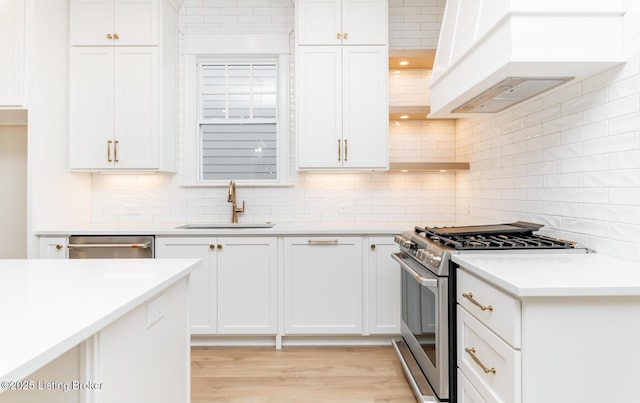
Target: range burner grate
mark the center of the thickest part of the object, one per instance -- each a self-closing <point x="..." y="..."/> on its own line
<point x="525" y="239"/>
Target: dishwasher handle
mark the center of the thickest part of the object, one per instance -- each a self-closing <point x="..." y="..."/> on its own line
<point x="145" y="245"/>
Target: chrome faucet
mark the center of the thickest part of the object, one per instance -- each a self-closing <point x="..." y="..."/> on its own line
<point x="234" y="207"/>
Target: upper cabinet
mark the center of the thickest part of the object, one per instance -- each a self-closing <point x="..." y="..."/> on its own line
<point x="341" y="22"/>
<point x="341" y="85"/>
<point x="123" y="99"/>
<point x="114" y="22"/>
<point x="12" y="51"/>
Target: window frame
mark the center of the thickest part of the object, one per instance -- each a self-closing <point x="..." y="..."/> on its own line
<point x="193" y="118"/>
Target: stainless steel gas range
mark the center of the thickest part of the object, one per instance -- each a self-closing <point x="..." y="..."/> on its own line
<point x="428" y="345"/>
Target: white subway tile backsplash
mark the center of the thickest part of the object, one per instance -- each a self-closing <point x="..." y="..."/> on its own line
<point x="562" y="123"/>
<point x="610" y="144"/>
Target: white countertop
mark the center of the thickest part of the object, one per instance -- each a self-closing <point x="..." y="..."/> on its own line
<point x="49" y="306"/>
<point x="555" y="274"/>
<point x="293" y="229"/>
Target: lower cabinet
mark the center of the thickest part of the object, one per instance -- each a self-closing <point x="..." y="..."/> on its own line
<point x="323" y="285"/>
<point x="235" y="289"/>
<point x="548" y="348"/>
<point x="284" y="285"/>
<point x="53" y="248"/>
<point x="383" y="287"/>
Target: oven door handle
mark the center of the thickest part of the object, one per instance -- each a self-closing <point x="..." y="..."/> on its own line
<point x="425" y="282"/>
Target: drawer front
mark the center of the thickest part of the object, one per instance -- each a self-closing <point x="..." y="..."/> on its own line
<point x="466" y="392"/>
<point x="501" y="311"/>
<point x="480" y="348"/>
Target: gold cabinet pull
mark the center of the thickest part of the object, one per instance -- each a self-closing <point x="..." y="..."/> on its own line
<point x="109" y="36"/>
<point x="373" y="246"/>
<point x="58" y="246"/>
<point x="322" y="241"/>
<point x="219" y="246"/>
<point x="345" y="35"/>
<point x="346" y="149"/>
<point x="109" y="151"/>
<point x="115" y="151"/>
<point x="338" y="36"/>
<point x="472" y="352"/>
<point x="211" y="246"/>
<point x="339" y="150"/>
<point x="115" y="36"/>
<point x="469" y="296"/>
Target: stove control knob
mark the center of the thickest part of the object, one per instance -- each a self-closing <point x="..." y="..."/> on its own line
<point x="436" y="259"/>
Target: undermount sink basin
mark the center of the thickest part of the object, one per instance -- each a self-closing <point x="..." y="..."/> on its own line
<point x="227" y="225"/>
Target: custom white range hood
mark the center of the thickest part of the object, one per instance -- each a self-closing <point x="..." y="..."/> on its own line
<point x="493" y="54"/>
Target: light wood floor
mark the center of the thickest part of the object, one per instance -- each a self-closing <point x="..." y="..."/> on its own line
<point x="297" y="374"/>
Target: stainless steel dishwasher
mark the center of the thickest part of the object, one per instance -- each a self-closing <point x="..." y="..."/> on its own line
<point x="111" y="247"/>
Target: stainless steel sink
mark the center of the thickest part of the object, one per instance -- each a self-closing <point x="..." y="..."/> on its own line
<point x="227" y="225"/>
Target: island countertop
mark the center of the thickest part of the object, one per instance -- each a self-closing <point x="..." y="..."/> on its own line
<point x="555" y="274"/>
<point x="49" y="306"/>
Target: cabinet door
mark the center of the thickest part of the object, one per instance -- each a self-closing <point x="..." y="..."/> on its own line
<point x="91" y="108"/>
<point x="319" y="106"/>
<point x="100" y="22"/>
<point x="202" y="284"/>
<point x="364" y="22"/>
<point x="318" y="22"/>
<point x="383" y="287"/>
<point x="365" y="124"/>
<point x="247" y="286"/>
<point x="136" y="108"/>
<point x="341" y="22"/>
<point x="323" y="285"/>
<point x="53" y="248"/>
<point x="114" y="108"/>
<point x="136" y="22"/>
<point x="12" y="51"/>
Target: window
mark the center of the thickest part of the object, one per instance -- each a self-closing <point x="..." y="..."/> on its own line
<point x="239" y="132"/>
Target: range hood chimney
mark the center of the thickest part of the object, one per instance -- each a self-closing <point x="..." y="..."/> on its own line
<point x="493" y="55"/>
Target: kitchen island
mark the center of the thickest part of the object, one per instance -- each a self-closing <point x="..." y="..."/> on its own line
<point x="547" y="328"/>
<point x="77" y="330"/>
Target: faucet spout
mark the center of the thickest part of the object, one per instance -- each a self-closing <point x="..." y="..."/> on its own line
<point x="231" y="198"/>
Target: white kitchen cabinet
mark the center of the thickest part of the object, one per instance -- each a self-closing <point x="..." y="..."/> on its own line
<point x="342" y="112"/>
<point x="12" y="37"/>
<point x="202" y="284"/>
<point x="114" y="22"/>
<point x="235" y="289"/>
<point x="384" y="310"/>
<point x="53" y="247"/>
<point x="323" y="285"/>
<point x="341" y="22"/>
<point x="546" y="348"/>
<point x="123" y="99"/>
<point x="115" y="108"/>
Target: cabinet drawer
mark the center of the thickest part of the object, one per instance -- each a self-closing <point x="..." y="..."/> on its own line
<point x="466" y="392"/>
<point x="501" y="313"/>
<point x="502" y="380"/>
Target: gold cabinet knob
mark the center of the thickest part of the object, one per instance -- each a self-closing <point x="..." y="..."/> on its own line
<point x="109" y="36"/>
<point x="58" y="246"/>
<point x="219" y="246"/>
<point x="338" y="36"/>
<point x="212" y="246"/>
<point x="115" y="36"/>
<point x="344" y="36"/>
<point x="373" y="246"/>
